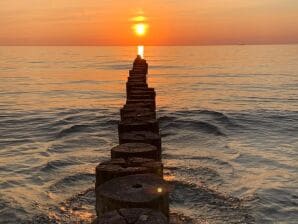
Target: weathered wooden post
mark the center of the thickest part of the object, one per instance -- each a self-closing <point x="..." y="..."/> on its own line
<point x="134" y="191"/>
<point x="133" y="216"/>
<point x="141" y="137"/>
<point x="130" y="150"/>
<point x="130" y="187"/>
<point x="138" y="124"/>
<point x="120" y="167"/>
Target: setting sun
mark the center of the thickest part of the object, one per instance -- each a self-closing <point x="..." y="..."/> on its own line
<point x="140" y="29"/>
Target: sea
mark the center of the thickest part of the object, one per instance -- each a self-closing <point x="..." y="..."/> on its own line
<point x="228" y="117"/>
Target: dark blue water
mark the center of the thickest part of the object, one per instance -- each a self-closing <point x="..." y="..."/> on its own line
<point x="228" y="116"/>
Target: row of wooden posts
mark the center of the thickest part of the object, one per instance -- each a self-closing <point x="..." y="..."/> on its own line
<point x="129" y="187"/>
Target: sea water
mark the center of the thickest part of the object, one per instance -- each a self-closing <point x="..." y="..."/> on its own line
<point x="228" y="118"/>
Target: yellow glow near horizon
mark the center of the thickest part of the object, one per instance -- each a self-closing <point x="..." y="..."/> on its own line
<point x="139" y="19"/>
<point x="140" y="29"/>
<point x="141" y="51"/>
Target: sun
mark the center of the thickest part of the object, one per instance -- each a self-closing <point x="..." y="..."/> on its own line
<point x="140" y="29"/>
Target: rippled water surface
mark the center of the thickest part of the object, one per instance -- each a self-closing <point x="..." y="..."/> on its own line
<point x="228" y="116"/>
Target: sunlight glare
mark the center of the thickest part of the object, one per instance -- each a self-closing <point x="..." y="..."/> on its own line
<point x="141" y="51"/>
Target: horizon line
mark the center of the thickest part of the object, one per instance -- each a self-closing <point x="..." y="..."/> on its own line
<point x="130" y="45"/>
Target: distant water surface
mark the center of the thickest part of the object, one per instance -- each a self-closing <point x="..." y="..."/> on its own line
<point x="228" y="116"/>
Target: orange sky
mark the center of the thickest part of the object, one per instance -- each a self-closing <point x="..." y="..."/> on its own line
<point x="171" y="22"/>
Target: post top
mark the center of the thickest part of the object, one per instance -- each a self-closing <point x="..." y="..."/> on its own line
<point x="139" y="60"/>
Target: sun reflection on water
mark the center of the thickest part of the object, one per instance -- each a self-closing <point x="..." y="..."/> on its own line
<point x="141" y="51"/>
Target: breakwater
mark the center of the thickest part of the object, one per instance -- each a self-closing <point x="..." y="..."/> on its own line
<point x="53" y="150"/>
<point x="130" y="187"/>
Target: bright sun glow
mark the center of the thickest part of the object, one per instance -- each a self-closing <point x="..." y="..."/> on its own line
<point x="140" y="29"/>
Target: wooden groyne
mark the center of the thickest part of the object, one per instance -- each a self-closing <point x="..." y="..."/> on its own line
<point x="130" y="186"/>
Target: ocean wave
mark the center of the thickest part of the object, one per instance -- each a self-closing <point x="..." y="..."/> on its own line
<point x="214" y="206"/>
<point x="78" y="143"/>
<point x="195" y="112"/>
<point x="166" y="118"/>
<point x="8" y="184"/>
<point x="11" y="211"/>
<point x="215" y="116"/>
<point x="200" y="165"/>
<point x="56" y="164"/>
<point x="283" y="205"/>
<point x="253" y="160"/>
<point x="210" y="160"/>
<point x="72" y="129"/>
<point x="194" y="125"/>
<point x="70" y="181"/>
<point x="211" y="122"/>
<point x="203" y="174"/>
<point x="207" y="127"/>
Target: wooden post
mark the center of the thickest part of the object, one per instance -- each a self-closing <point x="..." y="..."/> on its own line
<point x="132" y="216"/>
<point x="137" y="124"/>
<point x="120" y="167"/>
<point x="139" y="78"/>
<point x="130" y="187"/>
<point x="136" y="114"/>
<point x="150" y="102"/>
<point x="141" y="137"/>
<point x="129" y="150"/>
<point x="140" y="105"/>
<point x="143" y="96"/>
<point x="134" y="191"/>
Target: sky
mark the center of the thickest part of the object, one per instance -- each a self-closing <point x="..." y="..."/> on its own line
<point x="170" y="22"/>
